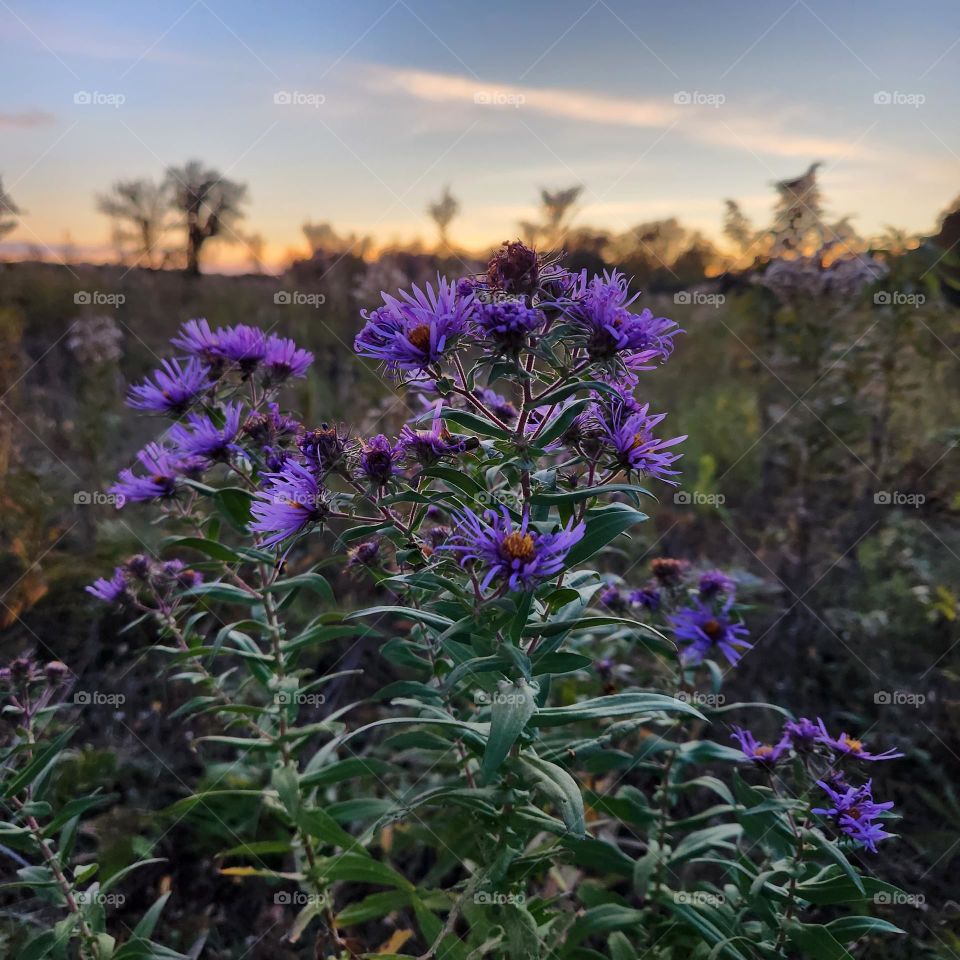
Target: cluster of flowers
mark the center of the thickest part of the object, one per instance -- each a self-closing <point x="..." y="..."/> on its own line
<point x="699" y="609"/>
<point x="803" y="278"/>
<point x="851" y="809"/>
<point x="141" y="572"/>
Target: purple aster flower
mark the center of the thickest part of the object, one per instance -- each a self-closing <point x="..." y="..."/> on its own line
<point x="646" y="597"/>
<point x="270" y="425"/>
<point x="851" y="747"/>
<point x="804" y="734"/>
<point x="704" y="629"/>
<point x="853" y="810"/>
<point x="518" y="557"/>
<point x="162" y="467"/>
<point x="173" y="388"/>
<point x="379" y="459"/>
<point x="177" y="573"/>
<point x="761" y="753"/>
<point x="201" y="437"/>
<point x="364" y="554"/>
<point x="196" y="338"/>
<point x="600" y="308"/>
<point x="507" y="324"/>
<point x="324" y="449"/>
<point x="109" y="590"/>
<point x="514" y="269"/>
<point x="243" y="345"/>
<point x="629" y="437"/>
<point x="414" y="331"/>
<point x="716" y="583"/>
<point x="285" y="359"/>
<point x="428" y="447"/>
<point x="498" y="405"/>
<point x="291" y="502"/>
<point x="612" y="597"/>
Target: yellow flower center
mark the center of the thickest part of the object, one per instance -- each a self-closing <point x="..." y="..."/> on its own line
<point x="518" y="546"/>
<point x="764" y="750"/>
<point x="854" y="746"/>
<point x="420" y="337"/>
<point x="712" y="629"/>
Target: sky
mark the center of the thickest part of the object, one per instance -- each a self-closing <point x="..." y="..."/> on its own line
<point x="359" y="113"/>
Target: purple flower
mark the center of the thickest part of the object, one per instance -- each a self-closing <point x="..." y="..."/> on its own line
<point x="716" y="583"/>
<point x="243" y="345"/>
<point x="518" y="557"/>
<point x="853" y="809"/>
<point x="514" y="269"/>
<point x="507" y="324"/>
<point x="851" y="747"/>
<point x="109" y="590"/>
<point x="379" y="459"/>
<point x="324" y="449"/>
<point x="177" y="573"/>
<point x="600" y="308"/>
<point x="285" y="359"/>
<point x="364" y="554"/>
<point x="762" y="753"/>
<point x="173" y="389"/>
<point x="498" y="405"/>
<point x="162" y="467"/>
<point x="629" y="437"/>
<point x="428" y="447"/>
<point x="197" y="339"/>
<point x="804" y="734"/>
<point x="646" y="597"/>
<point x="704" y="629"/>
<point x="414" y="331"/>
<point x="611" y="596"/>
<point x="270" y="425"/>
<point x="291" y="502"/>
<point x="201" y="437"/>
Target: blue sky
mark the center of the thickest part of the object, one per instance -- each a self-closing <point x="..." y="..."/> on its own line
<point x="568" y="92"/>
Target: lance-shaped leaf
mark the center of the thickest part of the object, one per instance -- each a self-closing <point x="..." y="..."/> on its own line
<point x="561" y="788"/>
<point x="513" y="706"/>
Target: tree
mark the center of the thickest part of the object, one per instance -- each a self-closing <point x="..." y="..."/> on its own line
<point x="738" y="229"/>
<point x="556" y="210"/>
<point x="210" y="205"/>
<point x="442" y="213"/>
<point x="9" y="211"/>
<point x="139" y="209"/>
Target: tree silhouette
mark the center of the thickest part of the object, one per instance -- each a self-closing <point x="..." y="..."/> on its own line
<point x="556" y="210"/>
<point x="210" y="205"/>
<point x="9" y="211"/>
<point x="442" y="213"/>
<point x="139" y="209"/>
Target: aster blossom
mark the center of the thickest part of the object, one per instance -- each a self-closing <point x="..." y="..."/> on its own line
<point x="628" y="437"/>
<point x="243" y="345"/>
<point x="174" y="387"/>
<point x="197" y="339"/>
<point x="853" y="810"/>
<point x="714" y="583"/>
<point x="380" y="459"/>
<point x="110" y="589"/>
<point x="760" y="753"/>
<point x="284" y="359"/>
<point x="517" y="556"/>
<point x="852" y="747"/>
<point x="200" y="436"/>
<point x="428" y="447"/>
<point x="704" y="629"/>
<point x="507" y="324"/>
<point x="162" y="466"/>
<point x="414" y="331"/>
<point x="291" y="501"/>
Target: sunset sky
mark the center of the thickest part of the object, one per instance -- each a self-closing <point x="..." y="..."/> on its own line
<point x="399" y="97"/>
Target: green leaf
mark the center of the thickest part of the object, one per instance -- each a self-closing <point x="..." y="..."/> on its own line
<point x="44" y="758"/>
<point x="560" y="787"/>
<point x="210" y="548"/>
<point x="234" y="505"/>
<point x="816" y="941"/>
<point x="284" y="781"/>
<point x="616" y="705"/>
<point x="408" y="613"/>
<point x="585" y="493"/>
<point x="852" y="928"/>
<point x="603" y="525"/>
<point x="833" y="851"/>
<point x="148" y="921"/>
<point x="313" y="581"/>
<point x="362" y="869"/>
<point x="600" y="920"/>
<point x="513" y="705"/>
<point x="226" y="592"/>
<point x="115" y="878"/>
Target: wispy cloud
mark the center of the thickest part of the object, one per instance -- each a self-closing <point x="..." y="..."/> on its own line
<point x="751" y="128"/>
<point x="26" y="120"/>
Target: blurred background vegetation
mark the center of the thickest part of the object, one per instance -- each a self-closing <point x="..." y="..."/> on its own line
<point x="820" y="464"/>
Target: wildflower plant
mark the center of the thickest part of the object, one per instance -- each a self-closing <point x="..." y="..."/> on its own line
<point x="550" y="770"/>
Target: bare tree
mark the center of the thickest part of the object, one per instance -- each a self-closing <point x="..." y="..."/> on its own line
<point x="442" y="213"/>
<point x="210" y="205"/>
<point x="9" y="211"/>
<point x="558" y="211"/>
<point x="139" y="209"/>
<point x="322" y="238"/>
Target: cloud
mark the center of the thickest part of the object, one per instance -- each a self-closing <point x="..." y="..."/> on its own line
<point x="26" y="120"/>
<point x="750" y="128"/>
